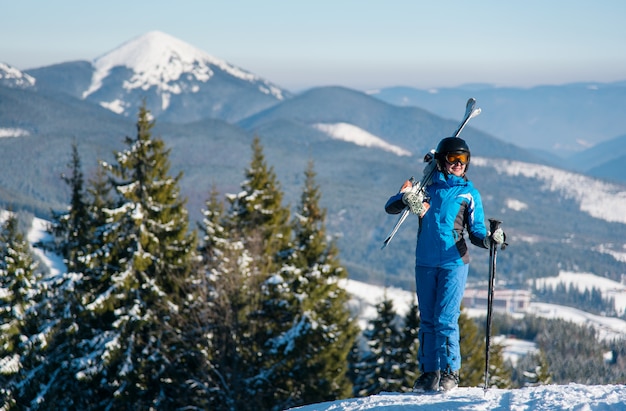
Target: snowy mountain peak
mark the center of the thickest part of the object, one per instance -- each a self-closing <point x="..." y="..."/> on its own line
<point x="152" y="50"/>
<point x="156" y="59"/>
<point x="14" y="78"/>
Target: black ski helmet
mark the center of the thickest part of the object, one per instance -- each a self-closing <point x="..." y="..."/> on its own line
<point x="451" y="145"/>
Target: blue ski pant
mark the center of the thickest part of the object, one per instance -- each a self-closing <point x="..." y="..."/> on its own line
<point x="439" y="295"/>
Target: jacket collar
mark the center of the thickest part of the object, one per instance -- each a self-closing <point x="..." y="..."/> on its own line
<point x="450" y="180"/>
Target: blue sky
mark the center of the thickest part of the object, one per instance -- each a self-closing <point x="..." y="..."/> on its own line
<point x="362" y="44"/>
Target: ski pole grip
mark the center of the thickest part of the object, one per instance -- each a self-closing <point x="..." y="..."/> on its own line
<point x="494" y="224"/>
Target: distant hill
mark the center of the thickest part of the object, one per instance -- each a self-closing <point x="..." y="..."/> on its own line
<point x="412" y="128"/>
<point x="562" y="119"/>
<point x="606" y="160"/>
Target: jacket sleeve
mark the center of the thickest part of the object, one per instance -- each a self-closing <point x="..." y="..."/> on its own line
<point x="476" y="222"/>
<point x="395" y="205"/>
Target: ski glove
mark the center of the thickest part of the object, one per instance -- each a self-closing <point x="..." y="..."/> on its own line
<point x="498" y="237"/>
<point x="413" y="197"/>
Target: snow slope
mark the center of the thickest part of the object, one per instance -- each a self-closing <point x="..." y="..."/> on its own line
<point x="543" y="398"/>
<point x="38" y="233"/>
<point x="599" y="199"/>
<point x="13" y="132"/>
<point x="353" y="134"/>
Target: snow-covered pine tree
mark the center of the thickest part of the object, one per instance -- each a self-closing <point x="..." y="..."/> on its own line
<point x="317" y="256"/>
<point x="379" y="368"/>
<point x="316" y="329"/>
<point x="125" y="356"/>
<point x="542" y="370"/>
<point x="225" y="294"/>
<point x="258" y="214"/>
<point x="23" y="314"/>
<point x="199" y="321"/>
<point x="243" y="249"/>
<point x="71" y="232"/>
<point x="72" y="229"/>
<point x="355" y="374"/>
<point x="537" y="371"/>
<point x="214" y="235"/>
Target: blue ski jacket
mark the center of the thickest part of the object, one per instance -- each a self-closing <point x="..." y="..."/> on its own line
<point x="454" y="205"/>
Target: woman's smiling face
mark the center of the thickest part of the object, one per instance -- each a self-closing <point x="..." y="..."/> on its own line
<point x="457" y="169"/>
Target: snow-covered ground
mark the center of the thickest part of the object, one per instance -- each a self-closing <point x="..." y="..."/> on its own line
<point x="548" y="397"/>
<point x="38" y="233"/>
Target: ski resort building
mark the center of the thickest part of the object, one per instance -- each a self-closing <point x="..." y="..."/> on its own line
<point x="509" y="301"/>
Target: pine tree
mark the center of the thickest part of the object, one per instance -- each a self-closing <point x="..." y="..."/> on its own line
<point x="259" y="222"/>
<point x="214" y="233"/>
<point x="540" y="373"/>
<point x="356" y="367"/>
<point x="23" y="313"/>
<point x="542" y="370"/>
<point x="201" y="348"/>
<point x="127" y="354"/>
<point x="243" y="249"/>
<point x="72" y="229"/>
<point x="258" y="214"/>
<point x="76" y="237"/>
<point x="233" y="298"/>
<point x="380" y="365"/>
<point x="315" y="330"/>
<point x="499" y="370"/>
<point x="280" y="329"/>
<point x="226" y="294"/>
<point x="71" y="232"/>
<point x="472" y="373"/>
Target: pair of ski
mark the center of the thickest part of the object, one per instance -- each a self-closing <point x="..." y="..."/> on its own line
<point x="471" y="111"/>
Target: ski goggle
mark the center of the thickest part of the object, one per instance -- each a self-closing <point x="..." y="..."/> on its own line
<point x="453" y="158"/>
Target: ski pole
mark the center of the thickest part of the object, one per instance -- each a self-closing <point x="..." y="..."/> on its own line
<point x="493" y="249"/>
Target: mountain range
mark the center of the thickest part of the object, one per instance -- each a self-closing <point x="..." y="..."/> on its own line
<point x="363" y="146"/>
<point x="578" y="126"/>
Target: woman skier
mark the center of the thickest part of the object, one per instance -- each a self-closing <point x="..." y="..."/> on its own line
<point x="446" y="207"/>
